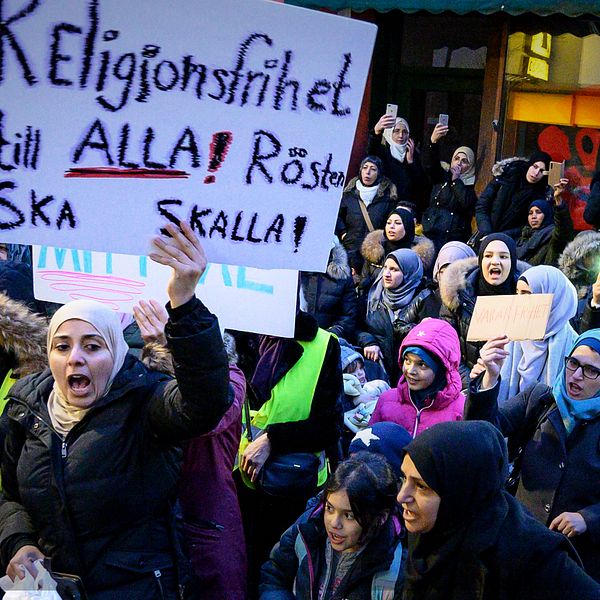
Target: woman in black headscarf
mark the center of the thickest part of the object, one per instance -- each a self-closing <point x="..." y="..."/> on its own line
<point x="398" y="232"/>
<point x="504" y="204"/>
<point x="369" y="194"/>
<point x="468" y="538"/>
<point x="493" y="273"/>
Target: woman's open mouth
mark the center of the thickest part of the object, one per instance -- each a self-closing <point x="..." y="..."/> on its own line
<point x="78" y="384"/>
<point x="335" y="538"/>
<point x="495" y="272"/>
<point x="574" y="389"/>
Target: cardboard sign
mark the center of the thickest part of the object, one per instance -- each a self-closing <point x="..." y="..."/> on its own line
<point x="244" y="298"/>
<point x="520" y="317"/>
<point x="235" y="116"/>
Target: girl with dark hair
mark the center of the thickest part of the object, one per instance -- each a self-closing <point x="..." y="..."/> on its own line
<point x="366" y="202"/>
<point x="349" y="546"/>
<point x="468" y="538"/>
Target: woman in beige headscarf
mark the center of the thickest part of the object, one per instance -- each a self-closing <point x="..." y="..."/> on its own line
<point x="452" y="202"/>
<point x="92" y="454"/>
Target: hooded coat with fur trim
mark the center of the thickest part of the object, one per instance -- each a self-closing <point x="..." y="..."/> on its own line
<point x="438" y="338"/>
<point x="330" y="297"/>
<point x="373" y="252"/>
<point x="580" y="262"/>
<point x="351" y="227"/>
<point x="457" y="289"/>
<point x="499" y="209"/>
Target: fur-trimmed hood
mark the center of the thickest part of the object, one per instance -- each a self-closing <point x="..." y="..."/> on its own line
<point x="508" y="165"/>
<point x="23" y="333"/>
<point x="456" y="277"/>
<point x="385" y="184"/>
<point x="373" y="251"/>
<point x="580" y="260"/>
<point x="338" y="267"/>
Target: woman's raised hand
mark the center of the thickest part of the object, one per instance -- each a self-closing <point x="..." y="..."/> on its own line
<point x="410" y="151"/>
<point x="385" y="122"/>
<point x="439" y="131"/>
<point x="185" y="255"/>
<point x="559" y="188"/>
<point x="151" y="318"/>
<point x="491" y="358"/>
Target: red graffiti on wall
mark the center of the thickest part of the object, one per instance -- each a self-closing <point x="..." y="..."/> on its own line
<point x="579" y="148"/>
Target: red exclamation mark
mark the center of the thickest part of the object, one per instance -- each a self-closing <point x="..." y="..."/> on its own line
<point x="218" y="151"/>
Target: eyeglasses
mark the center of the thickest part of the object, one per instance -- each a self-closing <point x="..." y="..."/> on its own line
<point x="589" y="372"/>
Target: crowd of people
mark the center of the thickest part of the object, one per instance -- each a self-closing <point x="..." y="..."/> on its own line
<point x="378" y="453"/>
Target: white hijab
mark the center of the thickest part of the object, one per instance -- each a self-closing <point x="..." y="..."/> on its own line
<point x="398" y="150"/>
<point x="540" y="361"/>
<point x="107" y="323"/>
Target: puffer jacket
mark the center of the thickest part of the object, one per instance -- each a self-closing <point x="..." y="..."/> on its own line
<point x="439" y="339"/>
<point x="496" y="210"/>
<point x="331" y="297"/>
<point x="351" y="227"/>
<point x="457" y="289"/>
<point x="98" y="503"/>
<point x="451" y="204"/>
<point x="543" y="246"/>
<point x="297" y="562"/>
<point x="580" y="262"/>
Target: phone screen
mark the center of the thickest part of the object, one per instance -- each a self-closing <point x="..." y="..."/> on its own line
<point x="443" y="119"/>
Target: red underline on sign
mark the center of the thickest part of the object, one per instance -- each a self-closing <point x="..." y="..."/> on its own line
<point x="114" y="173"/>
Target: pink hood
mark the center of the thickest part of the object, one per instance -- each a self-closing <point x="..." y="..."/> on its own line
<point x="439" y="338"/>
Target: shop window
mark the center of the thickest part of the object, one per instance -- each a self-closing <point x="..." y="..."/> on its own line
<point x="552" y="102"/>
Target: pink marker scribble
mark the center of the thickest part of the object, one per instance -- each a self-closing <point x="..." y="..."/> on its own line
<point x="108" y="289"/>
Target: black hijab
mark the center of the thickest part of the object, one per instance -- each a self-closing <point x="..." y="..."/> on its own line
<point x="466" y="464"/>
<point x="509" y="285"/>
<point x="408" y="220"/>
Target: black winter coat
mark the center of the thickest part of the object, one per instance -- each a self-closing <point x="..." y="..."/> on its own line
<point x="331" y="297"/>
<point x="558" y="472"/>
<point x="351" y="227"/>
<point x="503" y="205"/>
<point x="591" y="214"/>
<point x="99" y="502"/>
<point x="451" y="204"/>
<point x="409" y="178"/>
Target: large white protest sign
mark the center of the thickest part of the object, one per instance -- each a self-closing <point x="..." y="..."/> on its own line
<point x="244" y="298"/>
<point x="235" y="116"/>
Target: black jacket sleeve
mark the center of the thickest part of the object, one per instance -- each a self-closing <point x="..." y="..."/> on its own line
<point x="196" y="400"/>
<point x="483" y="208"/>
<point x="345" y="325"/>
<point x="430" y="159"/>
<point x="322" y="428"/>
<point x="591" y="214"/>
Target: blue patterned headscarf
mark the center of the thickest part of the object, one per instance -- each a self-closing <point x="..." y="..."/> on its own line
<point x="572" y="410"/>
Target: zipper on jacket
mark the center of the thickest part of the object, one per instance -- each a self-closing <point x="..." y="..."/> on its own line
<point x="311" y="571"/>
<point x="418" y="417"/>
<point x="63" y="449"/>
<point x="158" y="575"/>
